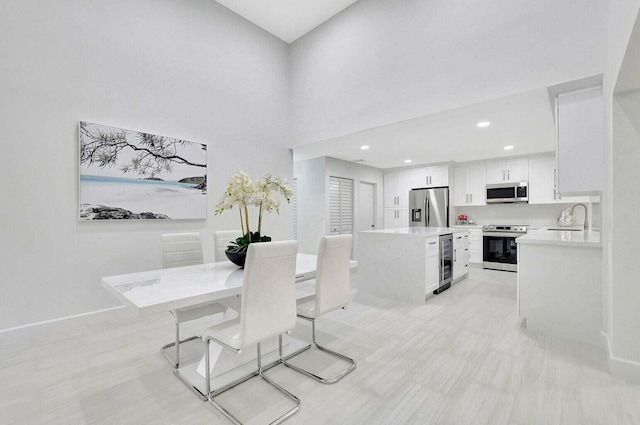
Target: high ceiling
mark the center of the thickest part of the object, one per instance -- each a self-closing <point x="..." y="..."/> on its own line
<point x="287" y="19"/>
<point x="524" y="120"/>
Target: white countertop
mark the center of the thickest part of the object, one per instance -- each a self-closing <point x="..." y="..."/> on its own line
<point x="418" y="231"/>
<point x="580" y="238"/>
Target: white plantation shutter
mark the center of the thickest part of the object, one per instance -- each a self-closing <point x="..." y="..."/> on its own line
<point x="294" y="207"/>
<point x="340" y="205"/>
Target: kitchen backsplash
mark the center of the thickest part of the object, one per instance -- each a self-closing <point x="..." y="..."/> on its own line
<point x="535" y="215"/>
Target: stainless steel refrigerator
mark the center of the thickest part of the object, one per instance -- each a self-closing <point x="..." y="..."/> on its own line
<point x="429" y="207"/>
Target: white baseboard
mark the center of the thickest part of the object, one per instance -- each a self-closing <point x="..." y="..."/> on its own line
<point x="628" y="370"/>
<point x="64" y="324"/>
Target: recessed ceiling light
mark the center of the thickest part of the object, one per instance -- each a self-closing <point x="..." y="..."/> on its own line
<point x="407" y="161"/>
<point x="359" y="160"/>
<point x="508" y="147"/>
<point x="364" y="147"/>
<point x="483" y="124"/>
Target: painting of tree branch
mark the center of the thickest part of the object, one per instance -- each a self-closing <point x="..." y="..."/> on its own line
<point x="126" y="174"/>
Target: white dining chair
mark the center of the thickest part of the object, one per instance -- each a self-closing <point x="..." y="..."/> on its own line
<point x="221" y="239"/>
<point x="333" y="290"/>
<point x="268" y="310"/>
<point x="179" y="250"/>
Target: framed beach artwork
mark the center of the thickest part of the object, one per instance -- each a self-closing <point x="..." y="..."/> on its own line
<point x="126" y="174"/>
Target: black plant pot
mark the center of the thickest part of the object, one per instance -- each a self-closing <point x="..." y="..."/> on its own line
<point x="237" y="258"/>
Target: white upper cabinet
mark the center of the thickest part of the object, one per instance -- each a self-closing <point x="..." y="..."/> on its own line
<point x="395" y="218"/>
<point x="542" y="185"/>
<point x="397" y="185"/>
<point x="477" y="184"/>
<point x="580" y="122"/>
<point x="430" y="177"/>
<point x="511" y="171"/>
<point x="469" y="185"/>
<point x="460" y="186"/>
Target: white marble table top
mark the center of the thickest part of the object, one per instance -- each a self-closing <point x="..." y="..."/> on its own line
<point x="163" y="290"/>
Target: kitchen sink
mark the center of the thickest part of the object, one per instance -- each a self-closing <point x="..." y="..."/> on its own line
<point x="564" y="229"/>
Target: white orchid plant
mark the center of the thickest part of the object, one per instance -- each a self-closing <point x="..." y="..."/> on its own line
<point x="242" y="193"/>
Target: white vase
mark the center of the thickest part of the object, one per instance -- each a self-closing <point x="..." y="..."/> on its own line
<point x="565" y="219"/>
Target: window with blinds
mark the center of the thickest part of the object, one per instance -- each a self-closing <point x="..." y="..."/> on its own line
<point x="294" y="207"/>
<point x="340" y="205"/>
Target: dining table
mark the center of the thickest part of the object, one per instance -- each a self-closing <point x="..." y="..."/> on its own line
<point x="163" y="290"/>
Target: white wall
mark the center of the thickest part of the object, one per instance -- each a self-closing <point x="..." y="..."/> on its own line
<point x="313" y="218"/>
<point x="620" y="288"/>
<point x="382" y="61"/>
<point x="188" y="69"/>
<point x="625" y="294"/>
<point x="313" y="197"/>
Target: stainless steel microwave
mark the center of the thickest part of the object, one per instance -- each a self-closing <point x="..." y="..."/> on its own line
<point x="508" y="193"/>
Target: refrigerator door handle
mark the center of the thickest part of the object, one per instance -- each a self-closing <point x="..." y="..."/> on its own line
<point x="446" y="210"/>
<point x="426" y="208"/>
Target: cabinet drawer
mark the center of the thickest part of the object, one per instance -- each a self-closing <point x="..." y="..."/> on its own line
<point x="433" y="246"/>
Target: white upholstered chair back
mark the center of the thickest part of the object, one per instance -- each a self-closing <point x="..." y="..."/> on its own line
<point x="333" y="279"/>
<point x="222" y="239"/>
<point x="268" y="291"/>
<point x="181" y="249"/>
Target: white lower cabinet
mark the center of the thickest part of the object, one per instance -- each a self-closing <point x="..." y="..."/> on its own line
<point x="475" y="244"/>
<point x="432" y="265"/>
<point x="460" y="254"/>
<point x="395" y="218"/>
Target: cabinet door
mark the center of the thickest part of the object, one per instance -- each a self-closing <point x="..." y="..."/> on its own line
<point x="465" y="260"/>
<point x="459" y="246"/>
<point x="580" y="123"/>
<point x="460" y="186"/>
<point x="390" y="218"/>
<point x="403" y="188"/>
<point x="432" y="271"/>
<point x="477" y="184"/>
<point x="390" y="190"/>
<point x="496" y="172"/>
<point x="439" y="176"/>
<point x="518" y="171"/>
<point x="419" y="178"/>
<point x="475" y="246"/>
<point x="403" y="218"/>
<point x="542" y="180"/>
<point x="395" y="218"/>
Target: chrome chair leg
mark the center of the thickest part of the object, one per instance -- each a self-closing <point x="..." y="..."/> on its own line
<point x="175" y="361"/>
<point x="332" y="380"/>
<point x="260" y="373"/>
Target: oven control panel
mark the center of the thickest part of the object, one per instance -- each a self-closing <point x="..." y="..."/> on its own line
<point x="504" y="228"/>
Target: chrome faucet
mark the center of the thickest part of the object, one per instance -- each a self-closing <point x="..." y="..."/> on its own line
<point x="586" y="218"/>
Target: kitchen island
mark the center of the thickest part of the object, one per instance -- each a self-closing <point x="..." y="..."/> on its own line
<point x="559" y="283"/>
<point x="405" y="263"/>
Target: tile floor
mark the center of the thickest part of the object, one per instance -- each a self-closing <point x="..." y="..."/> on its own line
<point x="464" y="357"/>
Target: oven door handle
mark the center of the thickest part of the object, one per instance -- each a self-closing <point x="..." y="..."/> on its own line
<point x="503" y="234"/>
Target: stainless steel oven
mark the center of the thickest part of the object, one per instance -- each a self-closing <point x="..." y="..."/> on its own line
<point x="500" y="250"/>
